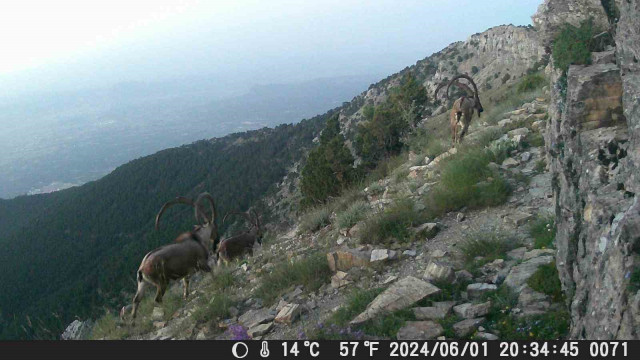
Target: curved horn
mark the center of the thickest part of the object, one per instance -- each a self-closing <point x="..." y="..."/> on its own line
<point x="224" y="219"/>
<point x="255" y="214"/>
<point x="178" y="200"/>
<point x="464" y="87"/>
<point x="463" y="76"/>
<point x="212" y="205"/>
<point x="435" y="94"/>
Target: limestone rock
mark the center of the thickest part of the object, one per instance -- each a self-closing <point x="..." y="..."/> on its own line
<point x="509" y="163"/>
<point x="485" y="336"/>
<point x="519" y="274"/>
<point x="346" y="259"/>
<point x="532" y="302"/>
<point x="420" y="330"/>
<point x="475" y="291"/>
<point x="252" y="318"/>
<point x="553" y="14"/>
<point x="339" y="279"/>
<point x="426" y="230"/>
<point x="517" y="254"/>
<point x="517" y="218"/>
<point x="467" y="326"/>
<point x="438" y="272"/>
<point x="469" y="310"/>
<point x="403" y="293"/>
<point x="157" y="314"/>
<point x="260" y="330"/>
<point x="439" y="310"/>
<point x="77" y="330"/>
<point x="288" y="314"/>
<point x="538" y="252"/>
<point x="382" y="255"/>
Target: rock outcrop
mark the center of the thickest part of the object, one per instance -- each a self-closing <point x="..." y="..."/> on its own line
<point x="553" y="14"/>
<point x="592" y="138"/>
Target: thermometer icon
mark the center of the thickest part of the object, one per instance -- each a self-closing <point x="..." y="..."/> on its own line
<point x="264" y="352"/>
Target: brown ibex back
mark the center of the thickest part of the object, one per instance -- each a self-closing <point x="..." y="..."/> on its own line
<point x="239" y="245"/>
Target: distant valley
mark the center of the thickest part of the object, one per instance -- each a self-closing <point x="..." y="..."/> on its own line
<point x="74" y="138"/>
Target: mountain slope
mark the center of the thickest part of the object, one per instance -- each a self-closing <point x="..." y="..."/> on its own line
<point x="72" y="251"/>
<point x="76" y="250"/>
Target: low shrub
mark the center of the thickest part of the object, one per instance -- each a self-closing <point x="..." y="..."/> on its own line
<point x="530" y="83"/>
<point x="315" y="219"/>
<point x="467" y="181"/>
<point x="354" y="213"/>
<point x="394" y="223"/>
<point x="547" y="281"/>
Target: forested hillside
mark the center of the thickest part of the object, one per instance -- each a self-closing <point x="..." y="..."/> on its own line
<point x="71" y="252"/>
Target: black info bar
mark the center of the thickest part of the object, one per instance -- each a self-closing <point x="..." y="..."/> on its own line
<point x="325" y="349"/>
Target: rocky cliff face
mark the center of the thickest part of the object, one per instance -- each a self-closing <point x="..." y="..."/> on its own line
<point x="592" y="140"/>
<point x="498" y="56"/>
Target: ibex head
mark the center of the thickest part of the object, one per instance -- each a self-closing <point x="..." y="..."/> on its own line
<point x="207" y="227"/>
<point x="255" y="225"/>
<point x="474" y="93"/>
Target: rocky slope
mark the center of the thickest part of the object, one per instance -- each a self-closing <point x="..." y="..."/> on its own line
<point x="437" y="284"/>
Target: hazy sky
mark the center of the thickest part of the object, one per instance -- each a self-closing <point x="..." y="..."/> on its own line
<point x="65" y="44"/>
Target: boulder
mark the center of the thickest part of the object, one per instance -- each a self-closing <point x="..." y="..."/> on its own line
<point x="485" y="336"/>
<point x="509" y="163"/>
<point x="469" y="310"/>
<point x="402" y="294"/>
<point x="532" y="302"/>
<point x="255" y="317"/>
<point x="382" y="255"/>
<point x="467" y="326"/>
<point x="420" y="330"/>
<point x="339" y="279"/>
<point x="475" y="291"/>
<point x="288" y="314"/>
<point x="517" y="218"/>
<point x="77" y="330"/>
<point x="517" y="254"/>
<point x="260" y="330"/>
<point x="426" y="230"/>
<point x="519" y="274"/>
<point x="438" y="272"/>
<point x="346" y="259"/>
<point x="439" y="310"/>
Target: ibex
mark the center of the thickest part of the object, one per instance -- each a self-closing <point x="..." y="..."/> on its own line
<point x="179" y="260"/>
<point x="463" y="107"/>
<point x="239" y="245"/>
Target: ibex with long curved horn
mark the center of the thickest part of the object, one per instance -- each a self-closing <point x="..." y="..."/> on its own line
<point x="179" y="260"/>
<point x="239" y="245"/>
<point x="463" y="107"/>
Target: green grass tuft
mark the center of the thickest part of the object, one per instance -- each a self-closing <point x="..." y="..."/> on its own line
<point x="393" y="224"/>
<point x="547" y="281"/>
<point x="543" y="232"/>
<point x="531" y="82"/>
<point x="489" y="245"/>
<point x="311" y="272"/>
<point x="315" y="219"/>
<point x="109" y="327"/>
<point x="467" y="181"/>
<point x="355" y="212"/>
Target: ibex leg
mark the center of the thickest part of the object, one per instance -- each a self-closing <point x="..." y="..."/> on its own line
<point x="162" y="287"/>
<point x="185" y="283"/>
<point x="138" y="297"/>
